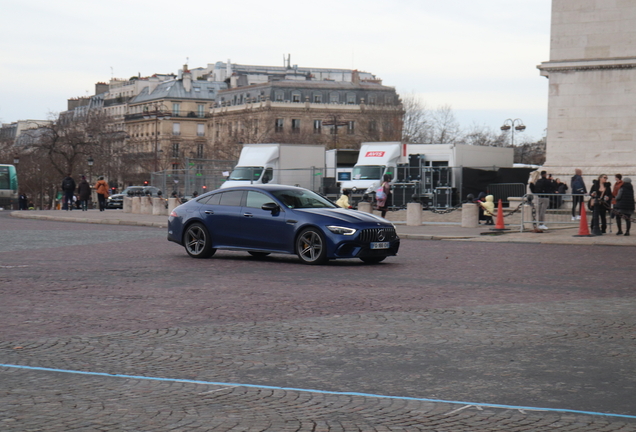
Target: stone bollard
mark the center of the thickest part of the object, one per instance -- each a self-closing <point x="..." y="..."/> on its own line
<point x="136" y="205"/>
<point x="146" y="205"/>
<point x="413" y="214"/>
<point x="365" y="207"/>
<point x="172" y="204"/>
<point x="470" y="215"/>
<point x="127" y="205"/>
<point x="158" y="206"/>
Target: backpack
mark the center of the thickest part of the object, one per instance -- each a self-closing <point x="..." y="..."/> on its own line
<point x="67" y="184"/>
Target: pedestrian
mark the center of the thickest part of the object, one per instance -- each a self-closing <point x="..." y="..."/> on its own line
<point x="386" y="188"/>
<point x="343" y="201"/>
<point x="624" y="206"/>
<point x="195" y="194"/>
<point x="561" y="189"/>
<point x="84" y="191"/>
<point x="600" y="202"/>
<point x="543" y="189"/>
<point x="488" y="205"/>
<point x="101" y="187"/>
<point x="68" y="188"/>
<point x="578" y="189"/>
<point x="22" y="201"/>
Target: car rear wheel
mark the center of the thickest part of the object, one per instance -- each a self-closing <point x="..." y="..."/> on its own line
<point x="373" y="260"/>
<point x="258" y="254"/>
<point x="310" y="247"/>
<point x="197" y="241"/>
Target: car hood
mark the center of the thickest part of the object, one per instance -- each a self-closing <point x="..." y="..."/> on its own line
<point x="351" y="216"/>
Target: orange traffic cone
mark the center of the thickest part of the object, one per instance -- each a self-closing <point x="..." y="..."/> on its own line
<point x="584" y="230"/>
<point x="499" y="226"/>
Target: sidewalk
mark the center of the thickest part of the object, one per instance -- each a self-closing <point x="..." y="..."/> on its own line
<point x="436" y="227"/>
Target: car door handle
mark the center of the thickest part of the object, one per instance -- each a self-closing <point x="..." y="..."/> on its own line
<point x="208" y="212"/>
<point x="247" y="214"/>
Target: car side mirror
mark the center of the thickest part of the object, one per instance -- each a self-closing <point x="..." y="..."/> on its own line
<point x="271" y="207"/>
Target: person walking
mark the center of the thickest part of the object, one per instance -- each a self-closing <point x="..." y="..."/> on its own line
<point x="84" y="192"/>
<point x="386" y="188"/>
<point x="22" y="201"/>
<point x="101" y="187"/>
<point x="543" y="188"/>
<point x="68" y="188"/>
<point x="577" y="186"/>
<point x="343" y="201"/>
<point x="624" y="206"/>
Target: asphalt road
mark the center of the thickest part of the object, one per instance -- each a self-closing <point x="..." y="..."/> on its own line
<point x="445" y="330"/>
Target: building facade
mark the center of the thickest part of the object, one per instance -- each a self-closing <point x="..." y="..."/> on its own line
<point x="592" y="74"/>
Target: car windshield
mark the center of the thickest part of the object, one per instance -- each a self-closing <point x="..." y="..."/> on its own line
<point x="246" y="173"/>
<point x="368" y="172"/>
<point x="300" y="199"/>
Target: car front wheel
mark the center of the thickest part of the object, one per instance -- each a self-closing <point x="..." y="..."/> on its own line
<point x="311" y="247"/>
<point x="197" y="241"/>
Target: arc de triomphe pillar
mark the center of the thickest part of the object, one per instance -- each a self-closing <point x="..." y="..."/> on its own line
<point x="592" y="96"/>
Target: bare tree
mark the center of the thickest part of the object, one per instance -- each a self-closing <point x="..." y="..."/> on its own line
<point x="417" y="123"/>
<point x="483" y="136"/>
<point x="446" y="129"/>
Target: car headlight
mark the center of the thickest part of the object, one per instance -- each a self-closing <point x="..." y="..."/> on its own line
<point x="341" y="230"/>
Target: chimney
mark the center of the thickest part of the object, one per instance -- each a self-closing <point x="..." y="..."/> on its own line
<point x="187" y="79"/>
<point x="355" y="76"/>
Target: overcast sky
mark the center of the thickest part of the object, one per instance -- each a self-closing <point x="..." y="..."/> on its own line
<point x="479" y="57"/>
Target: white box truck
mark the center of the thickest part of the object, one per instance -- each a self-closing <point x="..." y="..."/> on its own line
<point x="289" y="164"/>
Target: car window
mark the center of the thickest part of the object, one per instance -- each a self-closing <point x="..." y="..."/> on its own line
<point x="214" y="199"/>
<point x="231" y="198"/>
<point x="299" y="198"/>
<point x="257" y="199"/>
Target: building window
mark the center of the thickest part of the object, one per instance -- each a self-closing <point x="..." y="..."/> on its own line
<point x="175" y="166"/>
<point x="317" y="98"/>
<point x="351" y="98"/>
<point x="334" y="98"/>
<point x="373" y="126"/>
<point x="351" y="127"/>
<point x="200" y="129"/>
<point x="200" y="151"/>
<point x="295" y="97"/>
<point x="280" y="96"/>
<point x="176" y="128"/>
<point x="229" y="129"/>
<point x="278" y="127"/>
<point x="175" y="150"/>
<point x="295" y="125"/>
<point x="200" y="111"/>
<point x="217" y="130"/>
<point x="388" y="99"/>
<point x="176" y="108"/>
<point x="371" y="99"/>
<point x="317" y="126"/>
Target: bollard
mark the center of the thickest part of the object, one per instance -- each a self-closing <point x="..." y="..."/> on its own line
<point x="127" y="205"/>
<point x="158" y="206"/>
<point x="146" y="205"/>
<point x="470" y="215"/>
<point x="365" y="207"/>
<point x="136" y="205"/>
<point x="413" y="214"/>
<point x="172" y="204"/>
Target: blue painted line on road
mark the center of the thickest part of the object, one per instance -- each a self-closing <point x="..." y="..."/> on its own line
<point x="368" y="395"/>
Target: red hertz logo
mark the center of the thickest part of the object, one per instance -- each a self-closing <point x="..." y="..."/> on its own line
<point x="375" y="154"/>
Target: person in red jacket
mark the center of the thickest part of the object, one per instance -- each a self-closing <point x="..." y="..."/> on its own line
<point x="102" y="189"/>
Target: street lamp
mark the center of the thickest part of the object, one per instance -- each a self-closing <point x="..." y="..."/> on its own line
<point x="90" y="168"/>
<point x="156" y="111"/>
<point x="512" y="125"/>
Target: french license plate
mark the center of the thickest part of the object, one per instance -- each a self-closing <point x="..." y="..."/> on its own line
<point x="379" y="245"/>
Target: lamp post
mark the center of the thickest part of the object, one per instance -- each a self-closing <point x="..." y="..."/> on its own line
<point x="156" y="111"/>
<point x="512" y="125"/>
<point x="90" y="169"/>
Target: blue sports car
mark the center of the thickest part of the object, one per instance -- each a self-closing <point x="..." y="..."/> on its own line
<point x="264" y="219"/>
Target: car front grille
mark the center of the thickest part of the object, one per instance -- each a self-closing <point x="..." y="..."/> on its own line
<point x="377" y="235"/>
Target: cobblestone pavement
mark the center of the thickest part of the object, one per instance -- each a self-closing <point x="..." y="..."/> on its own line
<point x="273" y="344"/>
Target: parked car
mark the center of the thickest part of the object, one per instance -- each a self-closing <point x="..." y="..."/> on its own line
<point x="265" y="219"/>
<point x="116" y="201"/>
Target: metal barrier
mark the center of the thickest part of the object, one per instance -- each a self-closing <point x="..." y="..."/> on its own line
<point x="558" y="211"/>
<point x="502" y="191"/>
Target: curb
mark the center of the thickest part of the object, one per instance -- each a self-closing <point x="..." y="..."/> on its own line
<point x="90" y="221"/>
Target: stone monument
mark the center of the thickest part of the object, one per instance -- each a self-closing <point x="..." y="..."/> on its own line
<point x="592" y="89"/>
